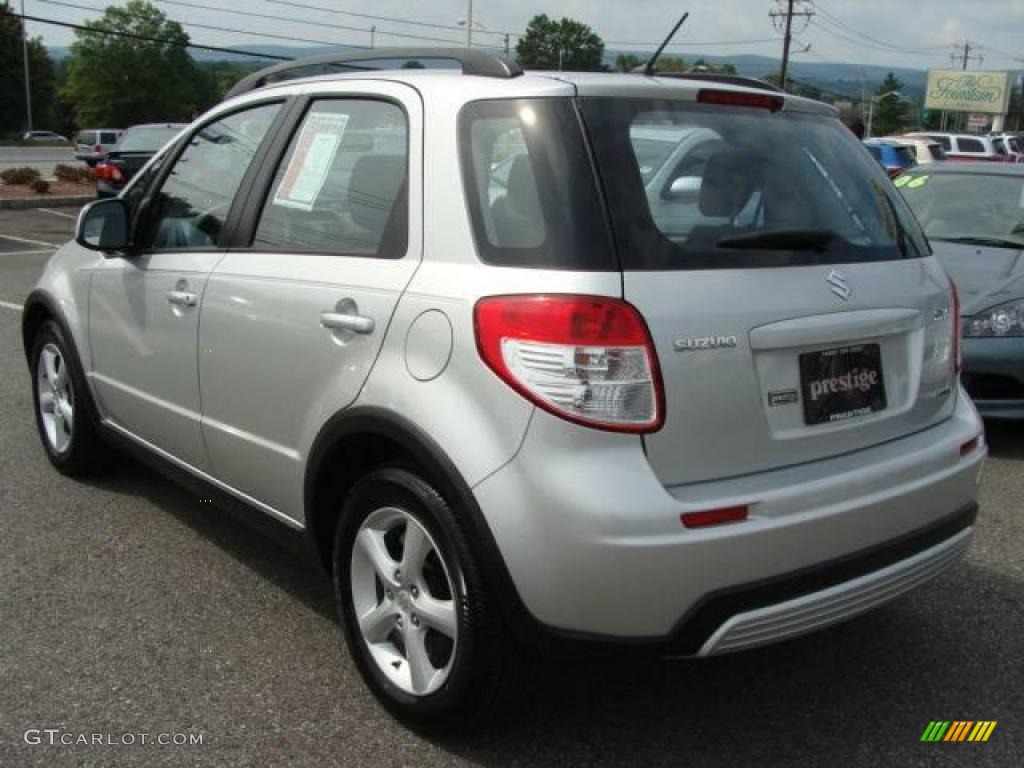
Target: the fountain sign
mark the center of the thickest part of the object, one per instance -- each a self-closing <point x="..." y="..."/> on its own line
<point x="955" y="90"/>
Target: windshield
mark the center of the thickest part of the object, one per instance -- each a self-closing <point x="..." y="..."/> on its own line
<point x="967" y="205"/>
<point x="147" y="138"/>
<point x="735" y="177"/>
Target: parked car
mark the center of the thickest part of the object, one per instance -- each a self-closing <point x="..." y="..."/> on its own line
<point x="134" y="149"/>
<point x="521" y="412"/>
<point x="894" y="156"/>
<point x="926" y="151"/>
<point x="91" y="146"/>
<point x="44" y="137"/>
<point x="1010" y="145"/>
<point x="961" y="147"/>
<point x="973" y="213"/>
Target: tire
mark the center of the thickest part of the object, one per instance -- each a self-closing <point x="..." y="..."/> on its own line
<point x="65" y="416"/>
<point x="469" y="674"/>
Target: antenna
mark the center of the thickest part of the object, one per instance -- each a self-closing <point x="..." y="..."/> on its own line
<point x="650" y="70"/>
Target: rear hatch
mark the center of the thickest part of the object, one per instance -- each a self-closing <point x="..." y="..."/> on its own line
<point x="785" y="284"/>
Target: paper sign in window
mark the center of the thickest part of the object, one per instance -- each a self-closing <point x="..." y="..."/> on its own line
<point x="311" y="161"/>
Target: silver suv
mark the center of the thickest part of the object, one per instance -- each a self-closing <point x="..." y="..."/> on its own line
<point x="527" y="360"/>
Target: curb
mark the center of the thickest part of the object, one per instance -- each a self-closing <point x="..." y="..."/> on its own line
<point x="21" y="203"/>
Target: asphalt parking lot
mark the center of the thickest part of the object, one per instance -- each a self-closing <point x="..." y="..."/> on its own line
<point x="127" y="606"/>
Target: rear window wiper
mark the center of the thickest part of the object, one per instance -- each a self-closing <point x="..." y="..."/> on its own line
<point x="995" y="242"/>
<point x="783" y="239"/>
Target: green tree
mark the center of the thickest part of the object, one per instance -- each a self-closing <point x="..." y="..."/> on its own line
<point x="115" y="80"/>
<point x="565" y="44"/>
<point x="627" y="62"/>
<point x="891" y="114"/>
<point x="671" y="64"/>
<point x="12" y="84"/>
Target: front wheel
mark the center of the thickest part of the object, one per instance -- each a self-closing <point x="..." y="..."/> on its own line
<point x="418" y="621"/>
<point x="63" y="414"/>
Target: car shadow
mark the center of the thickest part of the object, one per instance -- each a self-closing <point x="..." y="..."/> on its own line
<point x="255" y="550"/>
<point x="1005" y="439"/>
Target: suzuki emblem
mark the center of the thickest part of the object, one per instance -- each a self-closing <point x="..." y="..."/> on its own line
<point x="837" y="281"/>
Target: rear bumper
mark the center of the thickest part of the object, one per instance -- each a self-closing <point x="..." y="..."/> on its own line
<point x="994" y="376"/>
<point x="795" y="604"/>
<point x="595" y="549"/>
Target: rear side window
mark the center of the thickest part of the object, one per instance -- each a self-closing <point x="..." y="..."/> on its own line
<point x="1000" y="147"/>
<point x="108" y="137"/>
<point x="970" y="145"/>
<point x="342" y="186"/>
<point x="743" y="187"/>
<point x="530" y="188"/>
<point x="905" y="156"/>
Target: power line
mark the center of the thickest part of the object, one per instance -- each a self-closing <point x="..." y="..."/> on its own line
<point x="392" y="19"/>
<point x="146" y="38"/>
<point x="687" y="43"/>
<point x="828" y="15"/>
<point x="374" y="30"/>
<point x="270" y="35"/>
<point x="870" y="46"/>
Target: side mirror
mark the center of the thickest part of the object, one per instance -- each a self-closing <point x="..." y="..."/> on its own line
<point x="103" y="226"/>
<point x="685" y="189"/>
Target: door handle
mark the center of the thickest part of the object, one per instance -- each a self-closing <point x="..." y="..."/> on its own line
<point x="335" y="321"/>
<point x="182" y="298"/>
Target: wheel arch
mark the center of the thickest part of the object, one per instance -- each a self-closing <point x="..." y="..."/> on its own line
<point x="360" y="439"/>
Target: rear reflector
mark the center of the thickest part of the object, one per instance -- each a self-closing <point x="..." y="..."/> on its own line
<point x="970" y="446"/>
<point x="741" y="99"/>
<point x="715" y="517"/>
<point x="586" y="359"/>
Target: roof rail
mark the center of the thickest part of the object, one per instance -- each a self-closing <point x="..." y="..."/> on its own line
<point x="474" y="62"/>
<point x="715" y="77"/>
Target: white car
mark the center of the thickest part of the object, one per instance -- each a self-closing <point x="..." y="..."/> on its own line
<point x="927" y="151"/>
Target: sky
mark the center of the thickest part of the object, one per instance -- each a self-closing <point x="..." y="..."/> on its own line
<point x="906" y="33"/>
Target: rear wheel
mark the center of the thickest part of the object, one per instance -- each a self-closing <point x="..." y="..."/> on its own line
<point x="417" y="619"/>
<point x="64" y="417"/>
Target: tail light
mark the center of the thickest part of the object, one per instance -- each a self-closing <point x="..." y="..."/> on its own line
<point x="958" y="361"/>
<point x="107" y="172"/>
<point x="770" y="102"/>
<point x="98" y="149"/>
<point x="586" y="359"/>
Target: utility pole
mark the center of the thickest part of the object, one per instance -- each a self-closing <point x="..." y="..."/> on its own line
<point x="782" y="17"/>
<point x="24" y="58"/>
<point x="506" y="44"/>
<point x="963" y="54"/>
<point x="373" y="37"/>
<point x="469" y="23"/>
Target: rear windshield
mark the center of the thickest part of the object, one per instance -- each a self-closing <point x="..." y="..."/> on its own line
<point x="147" y="138"/>
<point x="938" y="152"/>
<point x="741" y="187"/>
<point x="87" y="137"/>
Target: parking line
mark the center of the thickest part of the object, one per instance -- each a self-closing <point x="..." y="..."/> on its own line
<point x="9" y="305"/>
<point x="56" y="213"/>
<point x="26" y="240"/>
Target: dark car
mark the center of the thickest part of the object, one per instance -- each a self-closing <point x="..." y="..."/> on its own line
<point x="973" y="213"/>
<point x="894" y="156"/>
<point x="132" y="151"/>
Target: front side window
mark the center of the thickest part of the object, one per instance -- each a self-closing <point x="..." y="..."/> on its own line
<point x="742" y="186"/>
<point x="190" y="210"/>
<point x="342" y="186"/>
